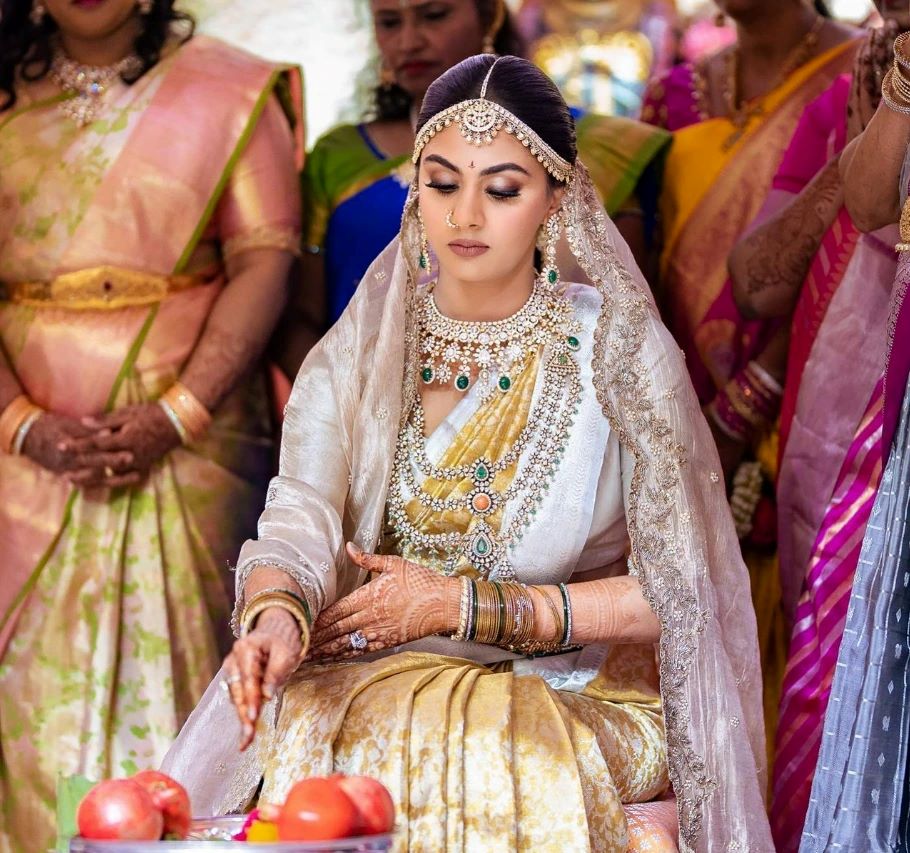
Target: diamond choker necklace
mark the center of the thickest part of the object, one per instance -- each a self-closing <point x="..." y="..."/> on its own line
<point x="88" y="84"/>
<point x="490" y="354"/>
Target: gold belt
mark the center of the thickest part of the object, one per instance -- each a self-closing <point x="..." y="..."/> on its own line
<point x="103" y="288"/>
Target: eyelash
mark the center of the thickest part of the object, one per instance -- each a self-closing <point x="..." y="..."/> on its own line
<point x="499" y="195"/>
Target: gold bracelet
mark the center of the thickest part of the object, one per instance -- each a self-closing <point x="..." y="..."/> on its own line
<point x="190" y="418"/>
<point x="465" y="607"/>
<point x="15" y="421"/>
<point x="285" y="600"/>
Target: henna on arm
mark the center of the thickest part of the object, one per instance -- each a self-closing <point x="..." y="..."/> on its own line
<point x="607" y="610"/>
<point x="769" y="265"/>
<point x="240" y="324"/>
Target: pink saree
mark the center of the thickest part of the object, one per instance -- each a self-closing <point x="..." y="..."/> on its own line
<point x="114" y="603"/>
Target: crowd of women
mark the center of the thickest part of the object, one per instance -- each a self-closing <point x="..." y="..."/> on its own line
<point x="594" y="476"/>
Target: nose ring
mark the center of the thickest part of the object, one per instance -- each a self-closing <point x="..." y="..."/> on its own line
<point x="451" y="222"/>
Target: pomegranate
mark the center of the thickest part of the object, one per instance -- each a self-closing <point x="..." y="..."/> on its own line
<point x="375" y="809"/>
<point x="171" y="799"/>
<point x="119" y="809"/>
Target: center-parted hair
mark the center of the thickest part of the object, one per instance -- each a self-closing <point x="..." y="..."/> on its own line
<point x="516" y="84"/>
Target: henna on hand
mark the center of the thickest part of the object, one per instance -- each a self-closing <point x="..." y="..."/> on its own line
<point x="48" y="443"/>
<point x="406" y="602"/>
<point x="121" y="447"/>
<point x="259" y="664"/>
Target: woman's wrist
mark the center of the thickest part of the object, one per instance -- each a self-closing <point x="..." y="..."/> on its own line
<point x="278" y="621"/>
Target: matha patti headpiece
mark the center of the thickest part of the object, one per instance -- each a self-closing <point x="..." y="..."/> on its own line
<point x="480" y="120"/>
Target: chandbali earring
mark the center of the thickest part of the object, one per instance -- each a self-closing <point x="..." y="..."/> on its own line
<point x="550" y="271"/>
<point x="425" y="262"/>
<point x="38" y="13"/>
<point x="146" y="7"/>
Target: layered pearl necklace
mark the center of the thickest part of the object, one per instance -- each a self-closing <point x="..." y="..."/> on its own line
<point x="493" y="352"/>
<point x="88" y="84"/>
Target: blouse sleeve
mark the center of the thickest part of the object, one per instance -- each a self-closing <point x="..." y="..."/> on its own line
<point x="260" y="208"/>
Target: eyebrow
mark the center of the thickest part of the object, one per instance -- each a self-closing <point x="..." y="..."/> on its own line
<point x="490" y="170"/>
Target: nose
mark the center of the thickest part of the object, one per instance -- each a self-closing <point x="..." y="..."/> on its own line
<point x="411" y="38"/>
<point x="468" y="212"/>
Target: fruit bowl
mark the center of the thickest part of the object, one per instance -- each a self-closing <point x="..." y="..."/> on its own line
<point x="215" y="834"/>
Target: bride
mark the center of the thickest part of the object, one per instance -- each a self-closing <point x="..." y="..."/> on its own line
<point x="497" y="569"/>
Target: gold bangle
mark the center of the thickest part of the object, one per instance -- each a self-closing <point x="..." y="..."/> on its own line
<point x="15" y="421"/>
<point x="464" y="615"/>
<point x="558" y="620"/>
<point x="181" y="406"/>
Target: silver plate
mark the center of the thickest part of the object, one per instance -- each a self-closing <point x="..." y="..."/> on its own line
<point x="215" y="833"/>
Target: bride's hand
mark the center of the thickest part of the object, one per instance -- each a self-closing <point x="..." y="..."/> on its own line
<point x="405" y="602"/>
<point x="259" y="664"/>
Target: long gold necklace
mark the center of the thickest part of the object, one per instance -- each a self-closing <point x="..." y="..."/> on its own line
<point x="742" y="113"/>
<point x="542" y="441"/>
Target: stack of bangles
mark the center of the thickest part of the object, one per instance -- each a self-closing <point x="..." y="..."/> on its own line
<point x="502" y="614"/>
<point x="284" y="599"/>
<point x="187" y="415"/>
<point x="15" y="422"/>
<point x="896" y="83"/>
<point x="748" y="404"/>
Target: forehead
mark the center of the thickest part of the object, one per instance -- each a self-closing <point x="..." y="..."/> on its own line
<point x="505" y="148"/>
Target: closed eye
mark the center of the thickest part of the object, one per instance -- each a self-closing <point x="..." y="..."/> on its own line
<point x="445" y="189"/>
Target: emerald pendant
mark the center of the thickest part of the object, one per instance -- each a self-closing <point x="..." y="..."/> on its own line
<point x="462" y="382"/>
<point x="481" y="473"/>
<point x="574" y="343"/>
<point x="427" y="375"/>
<point x="552" y="276"/>
<point x="481" y="546"/>
<point x="504" y="383"/>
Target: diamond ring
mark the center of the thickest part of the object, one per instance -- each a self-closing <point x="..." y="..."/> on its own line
<point x="228" y="681"/>
<point x="358" y="641"/>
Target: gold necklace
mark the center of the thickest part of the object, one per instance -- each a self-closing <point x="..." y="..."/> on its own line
<point x="741" y="114"/>
<point x="88" y="84"/>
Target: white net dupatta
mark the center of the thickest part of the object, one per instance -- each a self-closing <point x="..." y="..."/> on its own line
<point x="685" y="551"/>
<point x="361" y="381"/>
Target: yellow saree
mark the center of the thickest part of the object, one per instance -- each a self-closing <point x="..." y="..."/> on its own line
<point x="114" y="604"/>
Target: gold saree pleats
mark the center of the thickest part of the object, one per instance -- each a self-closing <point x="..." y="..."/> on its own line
<point x="479" y="759"/>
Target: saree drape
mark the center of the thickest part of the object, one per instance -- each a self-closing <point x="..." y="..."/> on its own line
<point x="113" y="602"/>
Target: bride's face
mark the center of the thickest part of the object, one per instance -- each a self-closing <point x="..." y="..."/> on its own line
<point x="496" y="195"/>
<point x="91" y="19"/>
